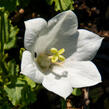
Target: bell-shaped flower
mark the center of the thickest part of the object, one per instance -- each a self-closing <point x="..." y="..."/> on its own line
<point x="59" y="55"/>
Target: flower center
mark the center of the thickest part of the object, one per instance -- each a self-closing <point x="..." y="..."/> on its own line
<point x="57" y="55"/>
<point x="46" y="61"/>
<point x="43" y="62"/>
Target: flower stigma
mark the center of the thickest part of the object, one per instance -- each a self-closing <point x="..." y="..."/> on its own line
<point x="46" y="61"/>
<point x="57" y="55"/>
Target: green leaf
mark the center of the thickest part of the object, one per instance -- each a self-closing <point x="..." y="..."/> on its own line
<point x="8" y="33"/>
<point x="11" y="67"/>
<point x="61" y="5"/>
<point x="76" y="92"/>
<point x="3" y="64"/>
<point x="67" y="4"/>
<point x="20" y="92"/>
<point x="6" y="27"/>
<point x="30" y="82"/>
<point x="1" y="35"/>
<point x="12" y="38"/>
<point x="14" y="92"/>
<point x="21" y="52"/>
<point x="28" y="96"/>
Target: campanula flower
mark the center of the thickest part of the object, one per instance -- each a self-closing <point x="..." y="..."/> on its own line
<point x="58" y="54"/>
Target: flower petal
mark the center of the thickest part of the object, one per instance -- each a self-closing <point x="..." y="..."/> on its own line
<point x="64" y="23"/>
<point x="71" y="74"/>
<point x="29" y="68"/>
<point x="60" y="31"/>
<point x="80" y="73"/>
<point x="88" y="44"/>
<point x="86" y="74"/>
<point x="34" y="28"/>
<point x="57" y="84"/>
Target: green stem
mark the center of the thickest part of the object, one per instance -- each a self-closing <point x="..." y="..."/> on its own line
<point x="6" y="27"/>
<point x="63" y="103"/>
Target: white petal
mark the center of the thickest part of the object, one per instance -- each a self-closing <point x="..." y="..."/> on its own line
<point x="60" y="31"/>
<point x="64" y="23"/>
<point x="87" y="44"/>
<point x="84" y="74"/>
<point x="71" y="74"/>
<point x="80" y="73"/>
<point x="29" y="68"/>
<point x="58" y="84"/>
<point x="34" y="28"/>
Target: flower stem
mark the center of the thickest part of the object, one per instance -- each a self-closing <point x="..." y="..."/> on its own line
<point x="63" y="103"/>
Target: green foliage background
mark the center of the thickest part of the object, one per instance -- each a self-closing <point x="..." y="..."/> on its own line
<point x="17" y="91"/>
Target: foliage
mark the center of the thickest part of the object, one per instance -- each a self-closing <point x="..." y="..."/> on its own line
<point x="15" y="88"/>
<point x="8" y="33"/>
<point x="21" y="91"/>
<point x="11" y="5"/>
<point x="76" y="92"/>
<point x="63" y="103"/>
<point x="61" y="5"/>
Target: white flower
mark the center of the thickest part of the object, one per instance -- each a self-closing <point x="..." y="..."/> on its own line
<point x="80" y="48"/>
